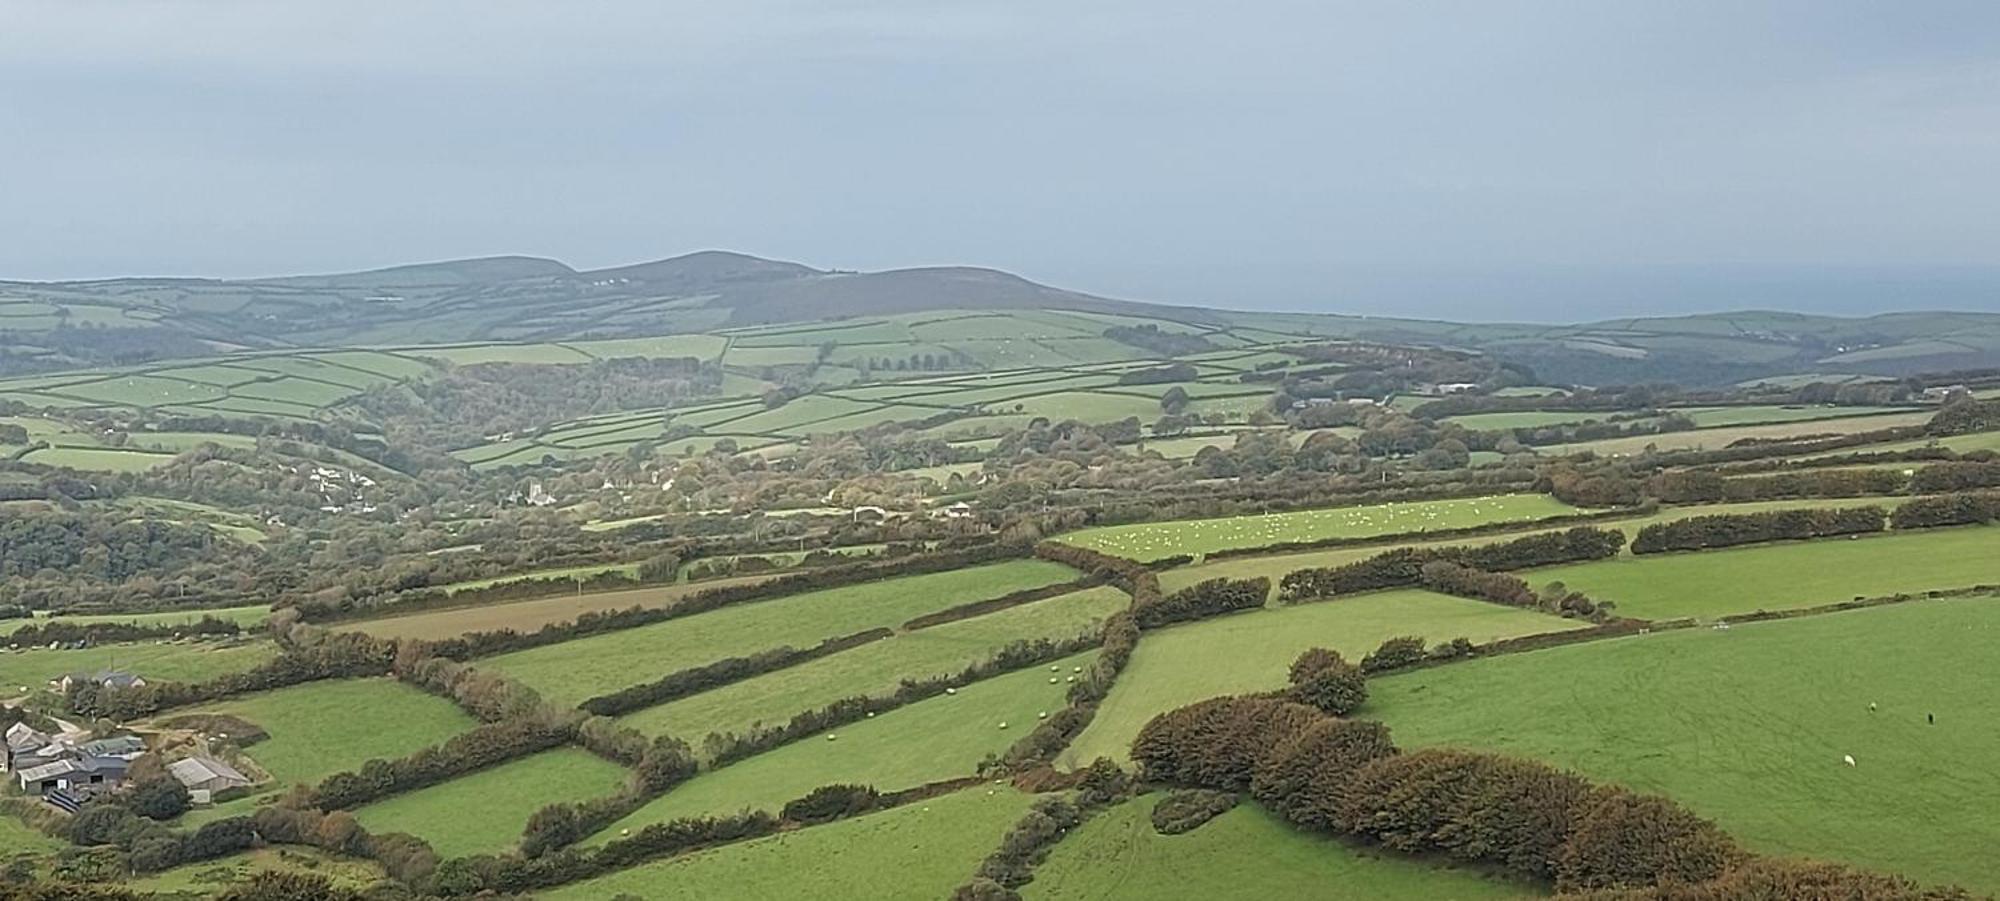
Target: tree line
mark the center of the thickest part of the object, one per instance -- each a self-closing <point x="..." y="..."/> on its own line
<point x="1403" y="567"/>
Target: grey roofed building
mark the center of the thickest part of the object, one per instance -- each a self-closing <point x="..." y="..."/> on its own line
<point x="125" y="746"/>
<point x="206" y="774"/>
<point x="73" y="773"/>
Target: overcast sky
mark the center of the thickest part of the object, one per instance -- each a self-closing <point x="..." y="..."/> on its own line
<point x="1476" y="159"/>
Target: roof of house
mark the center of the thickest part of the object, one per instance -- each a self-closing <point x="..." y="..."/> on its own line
<point x="114" y="746"/>
<point x="196" y="770"/>
<point x="49" y="771"/>
<point x="21" y="736"/>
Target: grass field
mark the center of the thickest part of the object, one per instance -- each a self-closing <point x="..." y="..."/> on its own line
<point x="875" y="669"/>
<point x="919" y="852"/>
<point x="1748" y="726"/>
<point x="1780" y="576"/>
<point x="156" y="661"/>
<point x="1154" y="540"/>
<point x="1245" y="854"/>
<point x="1252" y="651"/>
<point x="17" y="837"/>
<point x="321" y="728"/>
<point x="529" y="615"/>
<point x="209" y="878"/>
<point x="244" y="616"/>
<point x="573" y="671"/>
<point x="1963" y="444"/>
<point x="1724" y="436"/>
<point x="485" y="812"/>
<point x="940" y="738"/>
<point x="1275" y="566"/>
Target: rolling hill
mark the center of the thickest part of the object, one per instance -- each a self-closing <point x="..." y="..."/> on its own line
<point x="54" y="326"/>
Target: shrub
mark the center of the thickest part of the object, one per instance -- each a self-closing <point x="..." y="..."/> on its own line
<point x="1300" y="778"/>
<point x="1730" y="529"/>
<point x="157" y="799"/>
<point x="1403" y="566"/>
<point x="1211" y="598"/>
<point x="1947" y="510"/>
<point x="1394" y="653"/>
<point x="1186" y="811"/>
<point x="831" y="802"/>
<point x="1626" y="839"/>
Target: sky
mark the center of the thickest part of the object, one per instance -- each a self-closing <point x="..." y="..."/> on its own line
<point x="1482" y="160"/>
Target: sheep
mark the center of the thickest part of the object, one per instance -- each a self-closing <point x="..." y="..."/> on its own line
<point x="1847" y="759"/>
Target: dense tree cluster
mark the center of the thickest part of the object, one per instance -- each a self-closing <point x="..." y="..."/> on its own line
<point x="1324" y="680"/>
<point x="1403" y="567"/>
<point x="1520" y="815"/>
<point x="1213" y="597"/>
<point x="1730" y="529"/>
<point x="1189" y="809"/>
<point x="1690" y="486"/>
<point x="1947" y="510"/>
<point x="1963" y="475"/>
<point x="149" y="846"/>
<point x="1446" y="577"/>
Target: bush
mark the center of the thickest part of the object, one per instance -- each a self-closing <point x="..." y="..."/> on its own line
<point x="1947" y="510"/>
<point x="831" y="802"/>
<point x="1394" y="653"/>
<point x="1625" y="839"/>
<point x="1731" y="529"/>
<point x="1786" y="880"/>
<point x="1211" y="598"/>
<point x="1301" y="777"/>
<point x="157" y="799"/>
<point x="1186" y="811"/>
<point x="1403" y="566"/>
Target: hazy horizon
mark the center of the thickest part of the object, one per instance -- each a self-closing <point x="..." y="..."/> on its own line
<point x="1495" y="161"/>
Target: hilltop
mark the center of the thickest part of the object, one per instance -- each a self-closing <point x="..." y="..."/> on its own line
<point x="56" y="326"/>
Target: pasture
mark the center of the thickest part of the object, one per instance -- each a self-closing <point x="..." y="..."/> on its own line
<point x="211" y="877"/>
<point x="321" y="728"/>
<point x="1748" y="726"/>
<point x="1275" y="566"/>
<point x="246" y="616"/>
<point x="1245" y="854"/>
<point x="1715" y="438"/>
<point x="932" y="740"/>
<point x="484" y="812"/>
<point x="1785" y="575"/>
<point x="1252" y="651"/>
<point x="531" y="614"/>
<point x="572" y="671"/>
<point x="918" y="851"/>
<point x="156" y="661"/>
<point x="1154" y="540"/>
<point x="876" y="668"/>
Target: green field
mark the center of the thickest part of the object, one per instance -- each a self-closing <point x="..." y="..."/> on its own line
<point x="1154" y="540"/>
<point x="1749" y="725"/>
<point x="1245" y="854"/>
<point x="1275" y="566"/>
<point x="877" y="668"/>
<point x="534" y="613"/>
<point x="17" y="837"/>
<point x="1717" y="438"/>
<point x="210" y="877"/>
<point x="156" y="661"/>
<point x="245" y="616"/>
<point x="321" y="728"/>
<point x="1711" y="417"/>
<point x="485" y="812"/>
<point x="940" y="738"/>
<point x="570" y="672"/>
<point x="1714" y="583"/>
<point x="1251" y="652"/>
<point x="1527" y="419"/>
<point x="919" y="851"/>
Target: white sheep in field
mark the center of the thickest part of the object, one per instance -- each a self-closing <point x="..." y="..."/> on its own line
<point x="1847" y="759"/>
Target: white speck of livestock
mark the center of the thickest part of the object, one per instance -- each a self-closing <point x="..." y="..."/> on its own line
<point x="1848" y="759"/>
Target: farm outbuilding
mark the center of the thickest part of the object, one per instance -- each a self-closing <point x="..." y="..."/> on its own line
<point x="206" y="774"/>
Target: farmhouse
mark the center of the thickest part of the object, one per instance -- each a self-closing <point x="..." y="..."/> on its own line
<point x="104" y="678"/>
<point x="206" y="775"/>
